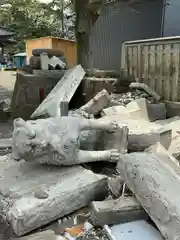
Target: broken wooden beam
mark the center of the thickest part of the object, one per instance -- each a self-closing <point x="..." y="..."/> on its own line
<point x="124" y="209"/>
<point x="25" y="211"/>
<point x="155" y="181"/>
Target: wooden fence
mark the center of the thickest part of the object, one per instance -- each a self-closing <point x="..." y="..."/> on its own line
<point x="155" y="62"/>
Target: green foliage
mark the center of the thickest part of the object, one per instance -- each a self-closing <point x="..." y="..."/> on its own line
<point x="32" y="19"/>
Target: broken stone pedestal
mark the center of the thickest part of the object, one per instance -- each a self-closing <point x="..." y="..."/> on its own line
<point x="34" y="195"/>
<point x="155" y="181"/>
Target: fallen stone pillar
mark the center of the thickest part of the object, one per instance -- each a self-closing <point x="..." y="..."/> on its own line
<point x="124" y="209"/>
<point x="33" y="195"/>
<point x="155" y="181"/>
<point x="96" y="104"/>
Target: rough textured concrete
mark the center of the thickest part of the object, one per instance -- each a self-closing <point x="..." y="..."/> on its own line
<point x="24" y="212"/>
<point x="96" y="104"/>
<point x="156" y="111"/>
<point x="63" y="91"/>
<point x="26" y="95"/>
<point x="173" y="109"/>
<point x="155" y="180"/>
<point x="124" y="209"/>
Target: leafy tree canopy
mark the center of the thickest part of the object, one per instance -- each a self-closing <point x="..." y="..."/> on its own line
<point x="33" y="19"/>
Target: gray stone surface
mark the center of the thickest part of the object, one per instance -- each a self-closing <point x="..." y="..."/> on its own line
<point x="63" y="91"/>
<point x="20" y="180"/>
<point x="96" y="104"/>
<point x="115" y="185"/>
<point x="122" y="210"/>
<point x="46" y="235"/>
<point x="173" y="109"/>
<point x="156" y="111"/>
<point x="155" y="181"/>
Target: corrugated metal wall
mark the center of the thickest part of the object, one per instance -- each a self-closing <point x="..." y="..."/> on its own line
<point x="155" y="62"/>
<point x="172" y="18"/>
<point x="119" y="23"/>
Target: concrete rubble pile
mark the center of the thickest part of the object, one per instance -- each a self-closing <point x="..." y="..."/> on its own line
<point x="107" y="170"/>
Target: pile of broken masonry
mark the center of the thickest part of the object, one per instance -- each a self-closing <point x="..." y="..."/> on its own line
<point x="55" y="182"/>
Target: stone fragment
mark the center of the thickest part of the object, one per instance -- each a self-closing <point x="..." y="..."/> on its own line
<point x="173" y="109"/>
<point x="138" y="109"/>
<point x="25" y="212"/>
<point x="155" y="181"/>
<point x="121" y="210"/>
<point x="63" y="91"/>
<point x="96" y="104"/>
<point x="41" y="194"/>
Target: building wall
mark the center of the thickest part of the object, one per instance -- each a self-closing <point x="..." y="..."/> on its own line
<point x="172" y="18"/>
<point x="119" y="23"/>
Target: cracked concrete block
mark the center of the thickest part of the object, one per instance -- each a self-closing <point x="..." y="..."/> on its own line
<point x="24" y="211"/>
<point x="97" y="103"/>
<point x="124" y="209"/>
<point x="155" y="181"/>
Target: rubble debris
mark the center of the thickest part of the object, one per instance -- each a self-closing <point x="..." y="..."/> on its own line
<point x="173" y="108"/>
<point x="145" y="88"/>
<point x="174" y="148"/>
<point x="140" y="230"/>
<point x="154" y="179"/>
<point x="55" y="141"/>
<point x="159" y="149"/>
<point x="121" y="210"/>
<point x="63" y="91"/>
<point x="45" y="235"/>
<point x="102" y="73"/>
<point x="115" y="185"/>
<point x="20" y="181"/>
<point x="96" y="104"/>
<point x="156" y="111"/>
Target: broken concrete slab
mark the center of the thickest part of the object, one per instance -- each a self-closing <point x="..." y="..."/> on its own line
<point x="96" y="104"/>
<point x="140" y="139"/>
<point x="156" y="111"/>
<point x="145" y="88"/>
<point x="124" y="209"/>
<point x="45" y="235"/>
<point x="25" y="212"/>
<point x="53" y="61"/>
<point x="159" y="149"/>
<point x="63" y="91"/>
<point x="138" y="108"/>
<point x="173" y="108"/>
<point x="155" y="181"/>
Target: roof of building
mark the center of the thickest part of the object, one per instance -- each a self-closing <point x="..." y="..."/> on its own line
<point x="4" y="32"/>
<point x="23" y="54"/>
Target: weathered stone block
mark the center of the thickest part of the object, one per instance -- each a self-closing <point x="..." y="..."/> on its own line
<point x="25" y="212"/>
<point x="122" y="210"/>
<point x="155" y="181"/>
